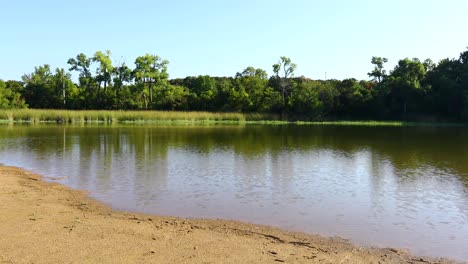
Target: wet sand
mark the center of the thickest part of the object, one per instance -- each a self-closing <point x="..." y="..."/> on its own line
<point x="43" y="222"/>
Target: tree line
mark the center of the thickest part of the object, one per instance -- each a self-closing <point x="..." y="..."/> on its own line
<point x="412" y="90"/>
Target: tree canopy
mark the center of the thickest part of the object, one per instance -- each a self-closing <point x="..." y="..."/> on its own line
<point x="412" y="90"/>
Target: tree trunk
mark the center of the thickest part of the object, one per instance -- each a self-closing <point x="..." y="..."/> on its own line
<point x="105" y="88"/>
<point x="151" y="93"/>
<point x="63" y="94"/>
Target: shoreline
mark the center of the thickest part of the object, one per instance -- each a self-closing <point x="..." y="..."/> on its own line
<point x="369" y="123"/>
<point x="51" y="116"/>
<point x="46" y="222"/>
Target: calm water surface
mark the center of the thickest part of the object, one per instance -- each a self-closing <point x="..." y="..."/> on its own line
<point x="378" y="186"/>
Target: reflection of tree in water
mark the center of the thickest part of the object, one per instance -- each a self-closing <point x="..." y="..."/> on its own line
<point x="151" y="164"/>
<point x="405" y="148"/>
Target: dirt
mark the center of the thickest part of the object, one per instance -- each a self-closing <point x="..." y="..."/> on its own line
<point x="43" y="222"/>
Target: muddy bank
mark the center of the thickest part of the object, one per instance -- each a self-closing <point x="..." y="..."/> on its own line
<point x="43" y="222"/>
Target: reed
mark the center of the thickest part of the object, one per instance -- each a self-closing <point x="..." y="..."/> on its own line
<point x="176" y="117"/>
<point x="373" y="123"/>
<point x="358" y="123"/>
<point x="103" y="116"/>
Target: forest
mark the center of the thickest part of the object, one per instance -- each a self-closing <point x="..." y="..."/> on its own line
<point x="413" y="90"/>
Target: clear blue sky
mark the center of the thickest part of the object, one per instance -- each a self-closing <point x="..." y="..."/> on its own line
<point x="220" y="38"/>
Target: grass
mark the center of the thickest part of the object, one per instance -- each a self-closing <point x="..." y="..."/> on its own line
<point x="174" y="117"/>
<point x="373" y="123"/>
<point x="103" y="116"/>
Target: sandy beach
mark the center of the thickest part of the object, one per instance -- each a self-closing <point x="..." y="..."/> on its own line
<point x="43" y="222"/>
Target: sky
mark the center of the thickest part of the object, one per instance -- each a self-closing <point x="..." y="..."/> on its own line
<point x="220" y="38"/>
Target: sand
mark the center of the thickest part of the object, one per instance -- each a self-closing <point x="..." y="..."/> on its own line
<point x="43" y="222"/>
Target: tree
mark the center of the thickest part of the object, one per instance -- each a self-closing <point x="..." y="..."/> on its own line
<point x="105" y="68"/>
<point x="151" y="70"/>
<point x="327" y="92"/>
<point x="445" y="97"/>
<point x="172" y="97"/>
<point x="122" y="75"/>
<point x="284" y="69"/>
<point x="304" y="101"/>
<point x="412" y="90"/>
<point x="272" y="101"/>
<point x="206" y="92"/>
<point x="405" y="83"/>
<point x="352" y="98"/>
<point x="378" y="73"/>
<point x="63" y="86"/>
<point x="448" y="84"/>
<point x="38" y="90"/>
<point x="238" y="99"/>
<point x="82" y="65"/>
<point x="9" y="98"/>
<point x="429" y="65"/>
<point x="248" y="91"/>
<point x="252" y="72"/>
<point x="43" y="89"/>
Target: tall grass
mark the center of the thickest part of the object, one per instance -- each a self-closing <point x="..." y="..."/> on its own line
<point x="373" y="123"/>
<point x="174" y="117"/>
<point x="103" y="116"/>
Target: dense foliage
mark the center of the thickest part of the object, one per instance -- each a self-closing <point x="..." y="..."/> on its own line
<point x="413" y="90"/>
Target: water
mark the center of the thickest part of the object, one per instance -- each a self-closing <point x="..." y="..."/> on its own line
<point x="377" y="186"/>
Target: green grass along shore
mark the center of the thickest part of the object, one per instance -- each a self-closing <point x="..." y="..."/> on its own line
<point x="176" y="117"/>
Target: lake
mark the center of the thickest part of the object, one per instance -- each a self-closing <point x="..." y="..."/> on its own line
<point x="404" y="187"/>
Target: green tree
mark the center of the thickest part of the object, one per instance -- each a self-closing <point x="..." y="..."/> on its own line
<point x="81" y="63"/>
<point x="238" y="99"/>
<point x="272" y="101"/>
<point x="248" y="94"/>
<point x="327" y="92"/>
<point x="151" y="70"/>
<point x="205" y="91"/>
<point x="65" y="90"/>
<point x="412" y="90"/>
<point x="123" y="75"/>
<point x="448" y="84"/>
<point x="378" y="74"/>
<point x="43" y="89"/>
<point x="38" y="90"/>
<point x="172" y="97"/>
<point x="253" y="72"/>
<point x="352" y="99"/>
<point x="405" y="83"/>
<point x="304" y="101"/>
<point x="283" y="70"/>
<point x="104" y="70"/>
<point x="9" y="98"/>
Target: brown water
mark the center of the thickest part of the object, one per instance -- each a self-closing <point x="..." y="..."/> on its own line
<point x="378" y="186"/>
